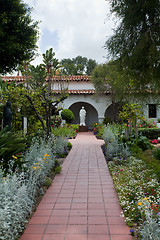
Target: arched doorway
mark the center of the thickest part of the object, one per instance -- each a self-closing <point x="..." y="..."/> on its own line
<point x="112" y="112"/>
<point x="91" y="113"/>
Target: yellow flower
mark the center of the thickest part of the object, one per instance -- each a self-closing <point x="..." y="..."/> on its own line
<point x="145" y="199"/>
<point x="139" y="203"/>
<point x="34" y="167"/>
<point x="45" y="155"/>
<point x="46" y="162"/>
<point x="14" y="156"/>
<point x="36" y="163"/>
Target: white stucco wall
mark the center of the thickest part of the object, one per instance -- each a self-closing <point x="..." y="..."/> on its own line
<point x="100" y="103"/>
<point x="72" y="85"/>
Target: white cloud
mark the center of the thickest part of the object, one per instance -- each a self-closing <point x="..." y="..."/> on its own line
<point x="73" y="27"/>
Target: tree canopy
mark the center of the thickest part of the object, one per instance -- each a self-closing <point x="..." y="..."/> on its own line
<point x="18" y="34"/>
<point x="35" y="97"/>
<point x="78" y="66"/>
<point x="136" y="41"/>
<point x="110" y="77"/>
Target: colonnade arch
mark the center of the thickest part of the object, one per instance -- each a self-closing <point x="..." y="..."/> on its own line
<point x="91" y="112"/>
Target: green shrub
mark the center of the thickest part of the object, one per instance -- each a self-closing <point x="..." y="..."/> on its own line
<point x="69" y="146"/>
<point x="145" y="123"/>
<point x="156" y="153"/>
<point x="143" y="143"/>
<point x="67" y="115"/>
<point x="66" y="131"/>
<point x="151" y="162"/>
<point x="150" y="133"/>
<point x="58" y="169"/>
<point x="107" y="120"/>
<point x="11" y="145"/>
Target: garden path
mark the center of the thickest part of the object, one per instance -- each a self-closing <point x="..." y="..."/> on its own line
<point x="81" y="203"/>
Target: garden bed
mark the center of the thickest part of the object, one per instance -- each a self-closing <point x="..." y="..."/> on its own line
<point x="136" y="180"/>
<point x="22" y="189"/>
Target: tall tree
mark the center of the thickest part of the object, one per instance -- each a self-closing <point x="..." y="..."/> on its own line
<point x="110" y="78"/>
<point x="78" y="66"/>
<point x="136" y="41"/>
<point x="43" y="100"/>
<point x="18" y="34"/>
<point x="35" y="97"/>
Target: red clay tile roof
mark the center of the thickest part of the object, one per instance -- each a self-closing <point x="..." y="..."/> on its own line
<point x="54" y="78"/>
<point x="78" y="92"/>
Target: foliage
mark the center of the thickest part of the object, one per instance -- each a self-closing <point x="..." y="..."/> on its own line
<point x="135" y="41"/>
<point x="107" y="120"/>
<point x="61" y="147"/>
<point x="142" y="142"/>
<point x="143" y="123"/>
<point x="11" y="147"/>
<point x="109" y="77"/>
<point x="156" y="153"/>
<point x="67" y="115"/>
<point x="151" y="161"/>
<point x="154" y="141"/>
<point x="150" y="133"/>
<point x="18" y="34"/>
<point x="130" y="111"/>
<point x="78" y="66"/>
<point x="134" y="183"/>
<point x="18" y="189"/>
<point x="42" y="101"/>
<point x="150" y="228"/>
<point x="114" y="144"/>
<point x="66" y="131"/>
<point x="98" y="129"/>
<point x="135" y="178"/>
<point x="129" y="114"/>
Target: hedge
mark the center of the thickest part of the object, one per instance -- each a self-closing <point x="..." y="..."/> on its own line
<point x="150" y="133"/>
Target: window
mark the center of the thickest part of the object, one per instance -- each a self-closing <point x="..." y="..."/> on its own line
<point x="152" y="110"/>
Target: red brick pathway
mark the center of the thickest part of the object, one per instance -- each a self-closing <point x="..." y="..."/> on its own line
<point x="81" y="203"/>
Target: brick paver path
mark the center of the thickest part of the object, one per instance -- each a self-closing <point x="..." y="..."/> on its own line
<point x="81" y="203"/>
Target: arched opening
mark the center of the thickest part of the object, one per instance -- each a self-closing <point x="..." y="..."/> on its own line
<point x="112" y="112"/>
<point x="91" y="113"/>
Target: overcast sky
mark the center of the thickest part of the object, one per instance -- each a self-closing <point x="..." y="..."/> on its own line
<point x="73" y="27"/>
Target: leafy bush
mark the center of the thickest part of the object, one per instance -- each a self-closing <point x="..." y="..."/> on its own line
<point x="135" y="183"/>
<point x="60" y="146"/>
<point x="143" y="143"/>
<point x="66" y="131"/>
<point x="11" y="144"/>
<point x="150" y="133"/>
<point x="143" y="123"/>
<point x="114" y="144"/>
<point x="98" y="129"/>
<point x="67" y="115"/>
<point x="109" y="134"/>
<point x="17" y="190"/>
<point x="150" y="229"/>
<point x="151" y="162"/>
<point x="107" y="120"/>
<point x="156" y="153"/>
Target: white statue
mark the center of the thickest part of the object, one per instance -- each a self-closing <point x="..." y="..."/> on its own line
<point x="82" y="115"/>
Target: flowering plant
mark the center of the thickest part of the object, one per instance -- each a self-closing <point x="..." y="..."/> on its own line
<point x="154" y="141"/>
<point x="146" y="124"/>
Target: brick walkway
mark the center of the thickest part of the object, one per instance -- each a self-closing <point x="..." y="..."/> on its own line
<point x="81" y="203"/>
